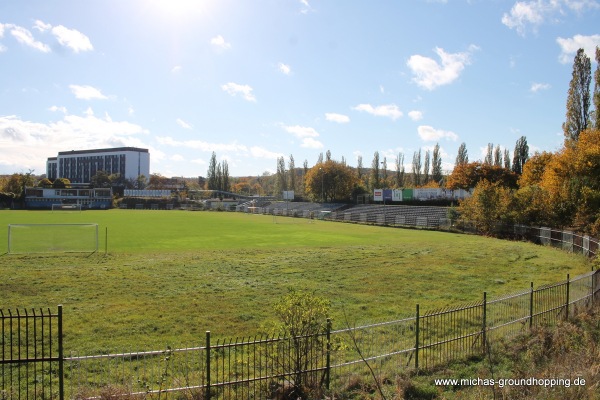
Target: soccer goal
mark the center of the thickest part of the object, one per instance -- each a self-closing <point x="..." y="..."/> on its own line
<point x="52" y="238"/>
<point x="66" y="207"/>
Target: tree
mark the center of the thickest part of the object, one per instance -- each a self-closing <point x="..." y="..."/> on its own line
<point x="436" y="165"/>
<point x="578" y="98"/>
<point x="400" y="170"/>
<point x="491" y="206"/>
<point x="225" y="185"/>
<point x="497" y="156"/>
<point x="416" y="168"/>
<point x="489" y="154"/>
<point x="211" y="174"/>
<point x="375" y="182"/>
<point x="17" y="183"/>
<point x="426" y="168"/>
<point x="359" y="167"/>
<point x="462" y="157"/>
<point x="507" y="164"/>
<point x="100" y="180"/>
<point x="384" y="177"/>
<point x="292" y="174"/>
<point x="596" y="119"/>
<point x="61" y="183"/>
<point x="330" y="181"/>
<point x="302" y="318"/>
<point x="521" y="155"/>
<point x="45" y="183"/>
<point x="533" y="171"/>
<point x="328" y="155"/>
<point x="281" y="181"/>
<point x="467" y="176"/>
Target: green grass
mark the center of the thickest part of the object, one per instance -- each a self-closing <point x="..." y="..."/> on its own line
<point x="171" y="275"/>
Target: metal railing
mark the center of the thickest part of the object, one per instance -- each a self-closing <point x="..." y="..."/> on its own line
<point x="272" y="366"/>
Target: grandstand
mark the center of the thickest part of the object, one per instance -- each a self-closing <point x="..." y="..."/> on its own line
<point x="421" y="216"/>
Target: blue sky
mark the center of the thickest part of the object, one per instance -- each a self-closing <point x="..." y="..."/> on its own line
<point x="254" y="80"/>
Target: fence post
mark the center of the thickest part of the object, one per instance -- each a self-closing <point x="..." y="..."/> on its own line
<point x="208" y="365"/>
<point x="328" y="367"/>
<point x="567" y="302"/>
<point x="531" y="307"/>
<point x="61" y="370"/>
<point x="484" y="327"/>
<point x="417" y="340"/>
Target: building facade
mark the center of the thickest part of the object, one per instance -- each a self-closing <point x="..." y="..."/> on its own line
<point x="79" y="166"/>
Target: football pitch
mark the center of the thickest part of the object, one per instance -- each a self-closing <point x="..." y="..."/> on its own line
<point x="169" y="276"/>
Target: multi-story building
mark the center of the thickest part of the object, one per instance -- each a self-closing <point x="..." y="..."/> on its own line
<point x="79" y="166"/>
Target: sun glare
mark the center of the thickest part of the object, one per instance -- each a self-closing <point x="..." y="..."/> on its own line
<point x="180" y="9"/>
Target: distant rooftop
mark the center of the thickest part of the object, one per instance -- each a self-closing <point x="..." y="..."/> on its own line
<point x="111" y="150"/>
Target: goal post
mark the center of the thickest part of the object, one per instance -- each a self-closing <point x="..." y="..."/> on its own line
<point x="52" y="238"/>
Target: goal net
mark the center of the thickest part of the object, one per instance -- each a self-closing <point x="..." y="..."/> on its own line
<point x="52" y="238"/>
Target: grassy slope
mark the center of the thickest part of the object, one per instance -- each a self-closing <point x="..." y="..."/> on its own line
<point x="171" y="275"/>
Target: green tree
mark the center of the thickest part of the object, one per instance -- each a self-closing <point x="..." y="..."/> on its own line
<point x="291" y="174"/>
<point x="302" y="318"/>
<point x="281" y="179"/>
<point x="359" y="167"/>
<point x="521" y="155"/>
<point x="462" y="157"/>
<point x="578" y="98"/>
<point x="489" y="208"/>
<point x="426" y="165"/>
<point x="375" y="180"/>
<point x="225" y="179"/>
<point x="436" y="165"/>
<point x="507" y="164"/>
<point x="61" y="183"/>
<point x="211" y="174"/>
<point x="416" y="168"/>
<point x="497" y="156"/>
<point x="489" y="154"/>
<point x="100" y="180"/>
<point x="400" y="171"/>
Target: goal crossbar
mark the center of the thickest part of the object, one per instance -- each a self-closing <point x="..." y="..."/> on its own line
<point x="52" y="238"/>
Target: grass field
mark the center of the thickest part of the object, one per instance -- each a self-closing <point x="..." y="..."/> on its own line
<point x="171" y="275"/>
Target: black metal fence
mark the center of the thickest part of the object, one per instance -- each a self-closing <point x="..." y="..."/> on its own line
<point x="271" y="367"/>
<point x="32" y="354"/>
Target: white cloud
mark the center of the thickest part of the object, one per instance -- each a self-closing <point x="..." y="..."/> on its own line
<point x="311" y="143"/>
<point x="219" y="42"/>
<point x="415" y="115"/>
<point x="73" y="39"/>
<point x="260" y="152"/>
<point x="307" y="134"/>
<point x="301" y="131"/>
<point x="70" y="38"/>
<point x="176" y="69"/>
<point x="234" y="89"/>
<point x="56" y="108"/>
<point x="183" y="124"/>
<point x="569" y="47"/>
<point x="25" y="37"/>
<point x="388" y="110"/>
<point x="284" y="68"/>
<point x="535" y="13"/>
<point x="536" y="87"/>
<point x="430" y="74"/>
<point x="27" y="144"/>
<point x="176" y="157"/>
<point x="201" y="145"/>
<point x="339" y="118"/>
<point x="86" y="92"/>
<point x="429" y="134"/>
